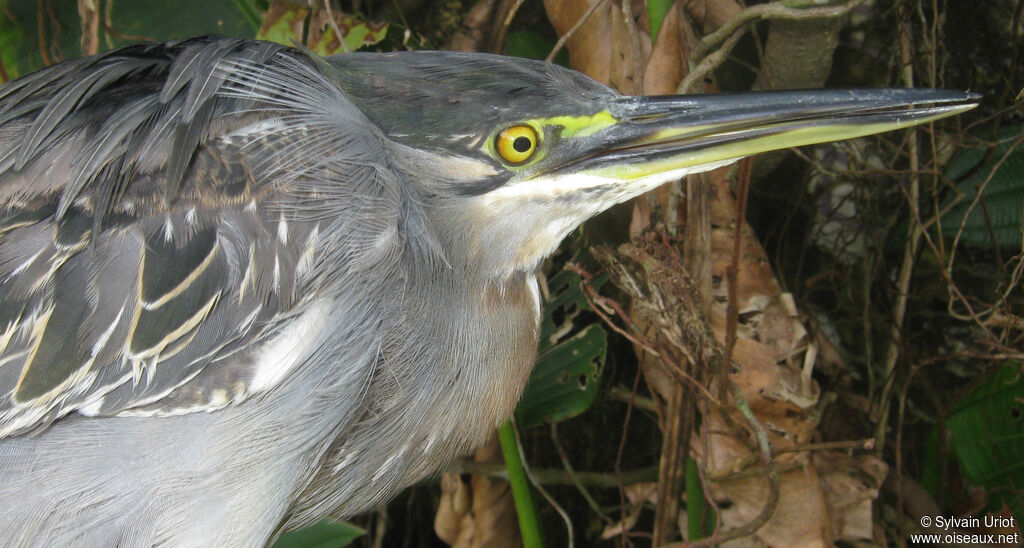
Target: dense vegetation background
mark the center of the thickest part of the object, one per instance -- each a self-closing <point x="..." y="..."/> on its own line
<point x="813" y="347"/>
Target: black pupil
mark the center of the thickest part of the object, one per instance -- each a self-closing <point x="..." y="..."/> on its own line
<point x="521" y="144"/>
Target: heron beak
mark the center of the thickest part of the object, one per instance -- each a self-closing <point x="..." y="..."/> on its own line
<point x="689" y="133"/>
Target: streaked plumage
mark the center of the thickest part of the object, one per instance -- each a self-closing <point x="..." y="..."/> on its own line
<point x="166" y="224"/>
<point x="242" y="288"/>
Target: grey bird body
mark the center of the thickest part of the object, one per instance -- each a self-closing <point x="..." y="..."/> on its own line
<point x="304" y="376"/>
<point x="242" y="289"/>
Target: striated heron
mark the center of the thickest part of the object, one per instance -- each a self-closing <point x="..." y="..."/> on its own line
<point x="242" y="288"/>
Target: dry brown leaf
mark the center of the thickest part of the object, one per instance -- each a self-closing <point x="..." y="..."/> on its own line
<point x="601" y="48"/>
<point x="666" y="65"/>
<point x="769" y="332"/>
<point x="771" y="341"/>
<point x="454" y="504"/>
<point x="800" y="517"/>
<point x="480" y="513"/>
<point x="474" y="32"/>
<point x="637" y="494"/>
<point x="851" y="485"/>
<point x="627" y="524"/>
<point x="708" y="15"/>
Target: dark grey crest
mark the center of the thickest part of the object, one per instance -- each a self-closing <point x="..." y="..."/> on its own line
<point x="446" y="94"/>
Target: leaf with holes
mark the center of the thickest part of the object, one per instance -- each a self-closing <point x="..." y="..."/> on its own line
<point x="565" y="379"/>
<point x="558" y="319"/>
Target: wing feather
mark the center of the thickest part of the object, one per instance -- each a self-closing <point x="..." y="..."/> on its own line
<point x="59" y="107"/>
<point x="103" y="150"/>
<point x="145" y="235"/>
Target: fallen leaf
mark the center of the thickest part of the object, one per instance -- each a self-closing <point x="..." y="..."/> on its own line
<point x="479" y="513"/>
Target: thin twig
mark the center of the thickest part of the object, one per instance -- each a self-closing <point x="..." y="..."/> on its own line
<point x="618" y="457"/>
<point x="865" y="444"/>
<point x="778" y="10"/>
<point x="380" y="526"/>
<point x="540" y="488"/>
<point x="732" y="269"/>
<point x="401" y="15"/>
<point x="41" y="34"/>
<point x="593" y="299"/>
<point x="745" y="468"/>
<point x="108" y="21"/>
<point x="558" y="476"/>
<point x="572" y="474"/>
<point x="671" y="365"/>
<point x="709" y="63"/>
<point x="892" y="351"/>
<point x="499" y="44"/>
<point x="334" y="25"/>
<point x="977" y="199"/>
<point x="730" y="33"/>
<point x="752" y="468"/>
<point x="111" y="31"/>
<point x="620" y="393"/>
<point x="636" y="337"/>
<point x="89" y="13"/>
<point x="565" y="37"/>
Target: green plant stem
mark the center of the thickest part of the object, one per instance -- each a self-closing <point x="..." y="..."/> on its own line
<point x="529" y="527"/>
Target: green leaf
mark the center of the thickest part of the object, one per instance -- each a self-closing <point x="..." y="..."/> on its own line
<point x="283" y="24"/>
<point x="988" y="437"/>
<point x="565" y="379"/>
<point x="325" y="534"/>
<point x="137" y="20"/>
<point x="11" y="38"/>
<point x="250" y="12"/>
<point x="999" y="213"/>
<point x="530" y="45"/>
<point x="20" y="41"/>
<point x="656" y="12"/>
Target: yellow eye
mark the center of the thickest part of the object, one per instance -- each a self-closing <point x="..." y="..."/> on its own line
<point x="516" y="144"/>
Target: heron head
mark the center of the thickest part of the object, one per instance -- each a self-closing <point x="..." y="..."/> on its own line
<point x="512" y="154"/>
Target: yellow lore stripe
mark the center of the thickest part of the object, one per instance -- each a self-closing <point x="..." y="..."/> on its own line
<point x="578" y="126"/>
